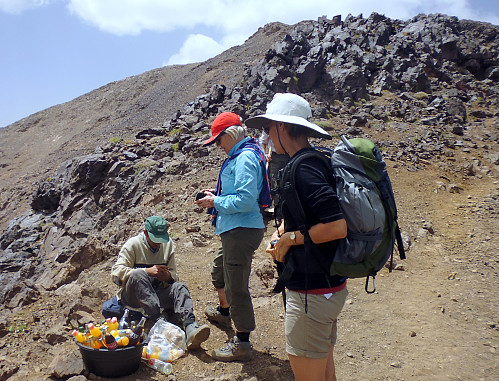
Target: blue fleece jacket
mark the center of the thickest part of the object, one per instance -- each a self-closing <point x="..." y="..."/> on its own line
<point x="242" y="180"/>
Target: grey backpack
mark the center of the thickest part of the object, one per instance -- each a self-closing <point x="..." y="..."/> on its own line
<point x="368" y="204"/>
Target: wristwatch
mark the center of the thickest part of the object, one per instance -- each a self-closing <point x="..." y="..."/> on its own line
<point x="293" y="237"/>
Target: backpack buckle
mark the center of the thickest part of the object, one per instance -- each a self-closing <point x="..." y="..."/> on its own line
<point x="367" y="284"/>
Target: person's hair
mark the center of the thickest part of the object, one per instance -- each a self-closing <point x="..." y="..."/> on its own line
<point x="295" y="130"/>
<point x="237" y="133"/>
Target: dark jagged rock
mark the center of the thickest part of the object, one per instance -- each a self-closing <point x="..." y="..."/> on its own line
<point x="425" y="90"/>
<point x="46" y="199"/>
<point x="434" y="65"/>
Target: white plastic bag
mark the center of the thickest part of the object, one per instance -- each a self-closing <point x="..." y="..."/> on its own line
<point x="166" y="342"/>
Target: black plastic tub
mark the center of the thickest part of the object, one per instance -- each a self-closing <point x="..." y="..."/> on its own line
<point x="115" y="363"/>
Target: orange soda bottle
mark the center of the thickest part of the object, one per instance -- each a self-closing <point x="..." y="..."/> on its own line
<point x="115" y="323"/>
<point x="80" y="337"/>
<point x="86" y="335"/>
<point x="96" y="332"/>
<point x="123" y="341"/>
<point x="95" y="343"/>
<point x="112" y="323"/>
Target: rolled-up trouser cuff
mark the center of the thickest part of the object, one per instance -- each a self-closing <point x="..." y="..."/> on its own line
<point x="217" y="270"/>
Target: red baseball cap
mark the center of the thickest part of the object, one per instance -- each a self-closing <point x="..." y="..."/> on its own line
<point x="222" y="122"/>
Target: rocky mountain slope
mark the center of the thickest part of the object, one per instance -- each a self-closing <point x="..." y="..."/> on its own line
<point x="80" y="178"/>
<point x="32" y="148"/>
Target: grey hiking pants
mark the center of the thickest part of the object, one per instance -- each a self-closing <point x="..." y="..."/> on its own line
<point x="238" y="246"/>
<point x="217" y="270"/>
<point x="140" y="292"/>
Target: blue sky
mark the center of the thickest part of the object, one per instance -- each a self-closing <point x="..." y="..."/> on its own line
<point x="53" y="51"/>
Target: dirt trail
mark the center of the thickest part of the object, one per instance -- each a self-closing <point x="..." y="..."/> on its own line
<point x="436" y="319"/>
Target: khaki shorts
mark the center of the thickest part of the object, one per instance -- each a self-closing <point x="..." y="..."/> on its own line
<point x="312" y="334"/>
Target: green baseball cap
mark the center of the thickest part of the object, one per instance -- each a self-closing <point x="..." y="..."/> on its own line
<point x="157" y="228"/>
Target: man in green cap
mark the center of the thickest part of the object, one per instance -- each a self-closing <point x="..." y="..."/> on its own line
<point x="148" y="280"/>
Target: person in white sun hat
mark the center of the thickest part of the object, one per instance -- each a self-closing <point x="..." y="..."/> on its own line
<point x="314" y="299"/>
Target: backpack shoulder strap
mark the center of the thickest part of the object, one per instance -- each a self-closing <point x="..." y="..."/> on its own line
<point x="264" y="198"/>
<point x="288" y="187"/>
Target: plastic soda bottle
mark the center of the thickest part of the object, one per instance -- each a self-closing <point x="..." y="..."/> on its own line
<point x="123" y="321"/>
<point x="115" y="323"/>
<point x="137" y="332"/>
<point x="160" y="366"/>
<point x="80" y="337"/>
<point x="124" y="332"/>
<point x="86" y="335"/>
<point x="96" y="332"/>
<point x="112" y="323"/>
<point x="123" y="341"/>
<point x="95" y="343"/>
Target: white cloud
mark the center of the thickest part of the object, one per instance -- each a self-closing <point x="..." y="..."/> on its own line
<point x="199" y="48"/>
<point x="236" y="20"/>
<point x="196" y="48"/>
<point x="19" y="6"/>
<point x="123" y="17"/>
<point x="133" y="16"/>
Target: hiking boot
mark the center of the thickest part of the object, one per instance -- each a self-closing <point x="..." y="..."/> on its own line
<point x="234" y="350"/>
<point x="195" y="335"/>
<point x="214" y="316"/>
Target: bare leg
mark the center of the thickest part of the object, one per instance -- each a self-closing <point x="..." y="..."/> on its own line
<point x="330" y="369"/>
<point x="222" y="298"/>
<point x="308" y="369"/>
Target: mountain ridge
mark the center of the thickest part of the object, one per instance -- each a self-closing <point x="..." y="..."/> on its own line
<point x="425" y="90"/>
<point x="148" y="106"/>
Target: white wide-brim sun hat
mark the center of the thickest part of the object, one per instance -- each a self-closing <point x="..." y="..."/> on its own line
<point x="288" y="108"/>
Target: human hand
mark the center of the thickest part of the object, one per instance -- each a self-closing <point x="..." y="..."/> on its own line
<point x="278" y="248"/>
<point x="208" y="201"/>
<point x="165" y="276"/>
<point x="271" y="248"/>
<point x="159" y="271"/>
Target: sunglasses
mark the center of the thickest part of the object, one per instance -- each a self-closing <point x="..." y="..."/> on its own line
<point x="218" y="140"/>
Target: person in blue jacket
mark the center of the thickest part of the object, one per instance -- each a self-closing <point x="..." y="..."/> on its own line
<point x="242" y="190"/>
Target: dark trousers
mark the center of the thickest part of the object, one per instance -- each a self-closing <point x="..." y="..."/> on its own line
<point x="139" y="292"/>
<point x="239" y="246"/>
<point x="217" y="270"/>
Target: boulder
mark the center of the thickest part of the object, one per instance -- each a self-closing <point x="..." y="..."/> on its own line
<point x="66" y="365"/>
<point x="339" y="83"/>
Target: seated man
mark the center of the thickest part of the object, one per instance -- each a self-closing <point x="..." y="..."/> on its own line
<point x="147" y="276"/>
